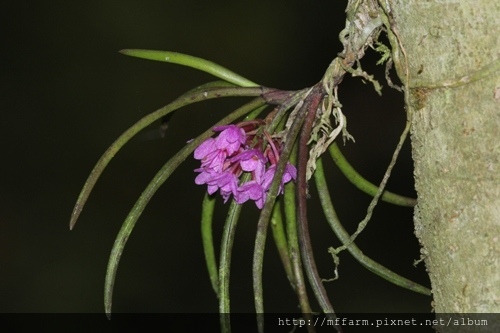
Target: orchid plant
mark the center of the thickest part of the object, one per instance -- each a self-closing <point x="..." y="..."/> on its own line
<point x="269" y="146"/>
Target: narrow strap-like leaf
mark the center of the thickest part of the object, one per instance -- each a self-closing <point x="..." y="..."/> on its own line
<point x="310" y="107"/>
<point x="193" y="62"/>
<point x="364" y="185"/>
<point x="207" y="214"/>
<point x="225" y="265"/>
<point x="280" y="240"/>
<point x="293" y="247"/>
<point x="197" y="95"/>
<point x="150" y="190"/>
<point x="343" y="235"/>
<point x="264" y="218"/>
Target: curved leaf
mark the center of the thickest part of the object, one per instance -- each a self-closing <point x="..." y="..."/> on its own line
<point x="199" y="94"/>
<point x="207" y="214"/>
<point x="345" y="238"/>
<point x="364" y="185"/>
<point x="150" y="190"/>
<point x="193" y="62"/>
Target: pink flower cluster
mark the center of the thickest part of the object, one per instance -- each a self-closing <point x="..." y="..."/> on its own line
<point x="235" y="151"/>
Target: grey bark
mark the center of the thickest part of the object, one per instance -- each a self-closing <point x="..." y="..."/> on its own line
<point x="456" y="145"/>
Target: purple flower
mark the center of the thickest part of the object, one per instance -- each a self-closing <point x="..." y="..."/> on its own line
<point x="289" y="174"/>
<point x="231" y="138"/>
<point x="207" y="177"/>
<point x="252" y="160"/>
<point x="227" y="183"/>
<point x="251" y="190"/>
<point x="205" y="148"/>
<point x="231" y="153"/>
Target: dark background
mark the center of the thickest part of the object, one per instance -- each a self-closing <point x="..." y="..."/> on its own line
<point x="66" y="94"/>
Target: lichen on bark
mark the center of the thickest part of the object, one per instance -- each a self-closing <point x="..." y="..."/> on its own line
<point x="455" y="145"/>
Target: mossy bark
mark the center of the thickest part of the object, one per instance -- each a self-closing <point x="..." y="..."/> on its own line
<point x="456" y="144"/>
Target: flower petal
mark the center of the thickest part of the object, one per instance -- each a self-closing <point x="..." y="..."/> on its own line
<point x="205" y="148"/>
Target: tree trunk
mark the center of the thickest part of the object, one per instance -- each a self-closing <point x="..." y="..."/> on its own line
<point x="453" y="50"/>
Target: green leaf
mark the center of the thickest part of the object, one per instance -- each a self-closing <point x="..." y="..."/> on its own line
<point x="345" y="238"/>
<point x="147" y="194"/>
<point x="193" y="62"/>
<point x="364" y="185"/>
<point x="207" y="214"/>
<point x="201" y="93"/>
